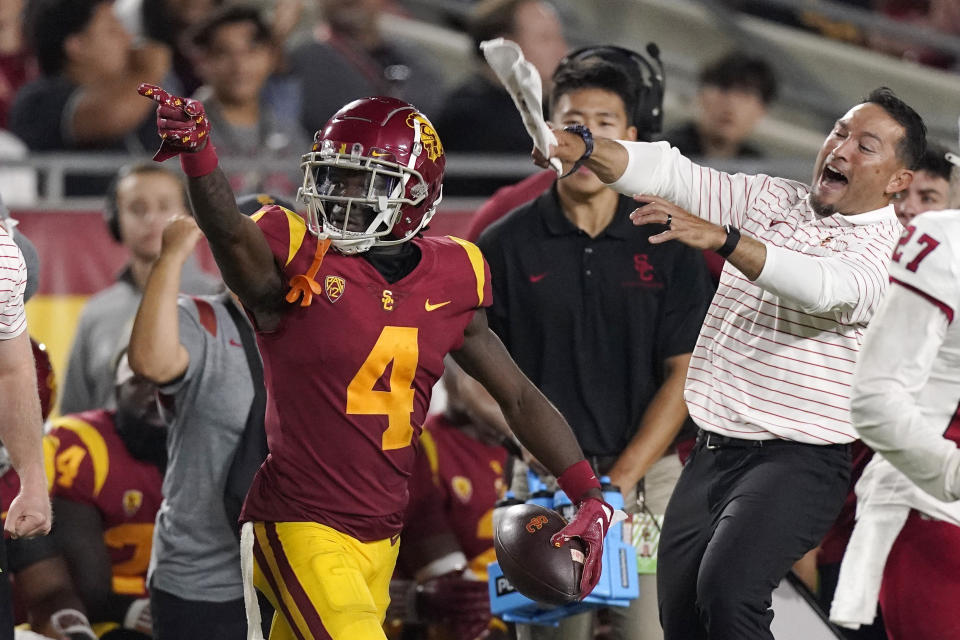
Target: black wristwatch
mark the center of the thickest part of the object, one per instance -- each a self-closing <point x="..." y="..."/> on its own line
<point x="733" y="239"/>
<point x="583" y="132"/>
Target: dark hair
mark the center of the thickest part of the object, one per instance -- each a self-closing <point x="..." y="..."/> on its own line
<point x="492" y="19"/>
<point x="111" y="213"/>
<point x="48" y="24"/>
<point x="934" y="161"/>
<point x="160" y="23"/>
<point x="594" y="73"/>
<point x="206" y="30"/>
<point x="913" y="144"/>
<point x="741" y="71"/>
<point x="641" y="88"/>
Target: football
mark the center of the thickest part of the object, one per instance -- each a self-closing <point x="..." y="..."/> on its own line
<point x="535" y="567"/>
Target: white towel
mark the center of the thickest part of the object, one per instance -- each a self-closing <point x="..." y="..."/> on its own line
<point x="522" y="81"/>
<point x="250" y="602"/>
<point x="861" y="573"/>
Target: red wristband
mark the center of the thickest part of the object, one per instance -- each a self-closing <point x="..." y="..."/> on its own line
<point x="199" y="163"/>
<point x="577" y="480"/>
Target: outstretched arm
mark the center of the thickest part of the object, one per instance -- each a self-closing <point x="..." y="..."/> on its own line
<point x="241" y="251"/>
<point x="541" y="429"/>
<point x="608" y="160"/>
<point x="535" y="421"/>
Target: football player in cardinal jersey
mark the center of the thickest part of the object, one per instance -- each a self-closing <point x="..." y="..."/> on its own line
<point x="353" y="341"/>
<point x="105" y="469"/>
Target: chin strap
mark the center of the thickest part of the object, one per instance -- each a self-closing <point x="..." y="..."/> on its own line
<point x="304" y="285"/>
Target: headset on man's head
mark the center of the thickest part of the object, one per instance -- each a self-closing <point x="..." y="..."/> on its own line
<point x="648" y="110"/>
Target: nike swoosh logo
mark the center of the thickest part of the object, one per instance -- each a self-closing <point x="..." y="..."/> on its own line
<point x="235" y="343"/>
<point x="434" y="307"/>
<point x="538" y="277"/>
<point x="776" y="222"/>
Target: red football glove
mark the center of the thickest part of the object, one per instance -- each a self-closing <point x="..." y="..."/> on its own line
<point x="183" y="126"/>
<point x="462" y="605"/>
<point x="590" y="524"/>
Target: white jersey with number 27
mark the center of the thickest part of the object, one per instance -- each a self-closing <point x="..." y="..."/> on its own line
<point x="906" y="400"/>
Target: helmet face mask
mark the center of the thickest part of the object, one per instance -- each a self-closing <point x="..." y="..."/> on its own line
<point x="374" y="175"/>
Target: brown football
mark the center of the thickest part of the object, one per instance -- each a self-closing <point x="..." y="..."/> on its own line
<point x="535" y="567"/>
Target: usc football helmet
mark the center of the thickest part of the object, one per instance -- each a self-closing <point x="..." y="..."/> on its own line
<point x="374" y="176"/>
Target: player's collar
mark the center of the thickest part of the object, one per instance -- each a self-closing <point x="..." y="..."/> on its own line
<point x="883" y="214"/>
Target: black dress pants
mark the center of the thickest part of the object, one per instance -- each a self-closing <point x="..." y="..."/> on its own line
<point x="741" y="514"/>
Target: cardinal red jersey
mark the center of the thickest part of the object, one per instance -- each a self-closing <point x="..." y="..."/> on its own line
<point x="87" y="462"/>
<point x="455" y="487"/>
<point x="349" y="376"/>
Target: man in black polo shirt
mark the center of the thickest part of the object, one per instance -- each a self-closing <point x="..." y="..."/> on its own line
<point x="602" y="321"/>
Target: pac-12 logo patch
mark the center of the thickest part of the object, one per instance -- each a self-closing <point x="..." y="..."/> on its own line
<point x="333" y="286"/>
<point x="132" y="501"/>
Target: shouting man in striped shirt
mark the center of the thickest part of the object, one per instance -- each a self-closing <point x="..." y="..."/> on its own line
<point x="769" y="379"/>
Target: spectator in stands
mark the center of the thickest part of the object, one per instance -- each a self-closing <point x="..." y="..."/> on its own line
<point x="939" y="15"/>
<point x="479" y="115"/>
<point x="90" y="68"/>
<point x="168" y="22"/>
<point x="631" y="311"/>
<point x="108" y="468"/>
<point x="448" y="526"/>
<point x="930" y="189"/>
<point x="235" y="57"/>
<point x="733" y="97"/>
<point x="17" y="63"/>
<point x="188" y="347"/>
<point x="141" y="200"/>
<point x="350" y="58"/>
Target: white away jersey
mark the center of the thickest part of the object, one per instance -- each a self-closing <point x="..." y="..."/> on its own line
<point x="927" y="262"/>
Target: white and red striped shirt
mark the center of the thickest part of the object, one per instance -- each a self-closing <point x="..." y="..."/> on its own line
<point x="775" y="357"/>
<point x="13" y="280"/>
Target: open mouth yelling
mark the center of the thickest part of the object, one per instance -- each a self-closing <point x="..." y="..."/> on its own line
<point x="832" y="179"/>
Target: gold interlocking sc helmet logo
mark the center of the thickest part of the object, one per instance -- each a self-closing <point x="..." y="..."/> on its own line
<point x="428" y="135"/>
